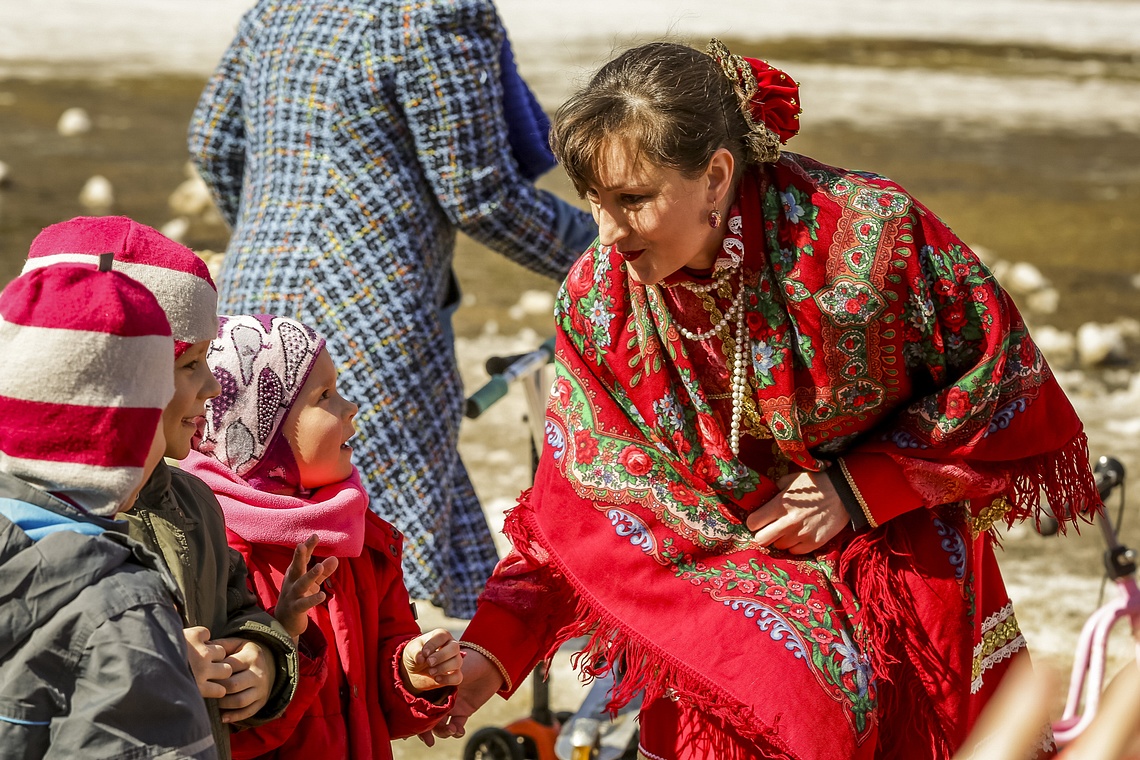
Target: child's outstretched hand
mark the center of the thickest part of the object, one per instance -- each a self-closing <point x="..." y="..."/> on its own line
<point x="301" y="587"/>
<point x="431" y="661"/>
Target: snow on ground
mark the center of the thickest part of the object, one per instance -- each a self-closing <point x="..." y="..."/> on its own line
<point x="165" y="35"/>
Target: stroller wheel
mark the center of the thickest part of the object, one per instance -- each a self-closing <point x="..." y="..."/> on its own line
<point x="491" y="743"/>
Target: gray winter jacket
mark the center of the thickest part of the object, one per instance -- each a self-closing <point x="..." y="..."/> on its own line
<point x="92" y="658"/>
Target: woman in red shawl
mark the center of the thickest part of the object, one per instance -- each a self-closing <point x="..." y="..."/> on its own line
<point x="790" y="407"/>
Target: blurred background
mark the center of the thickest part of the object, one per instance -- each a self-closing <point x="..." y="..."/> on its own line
<point x="1016" y="121"/>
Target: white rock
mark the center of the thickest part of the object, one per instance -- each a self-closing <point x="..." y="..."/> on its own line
<point x="4" y="172"/>
<point x="213" y="261"/>
<point x="1136" y="281"/>
<point x="1096" y="343"/>
<point x="1125" y="428"/>
<point x="1129" y="327"/>
<point x="176" y="229"/>
<point x="491" y="327"/>
<point x="516" y="312"/>
<point x="213" y="217"/>
<point x="536" y="303"/>
<point x="73" y="121"/>
<point x="1069" y="379"/>
<point x="191" y="198"/>
<point x="1023" y="277"/>
<point x="1057" y="345"/>
<point x="1000" y="270"/>
<point x="985" y="254"/>
<point x="97" y="194"/>
<point x="469" y="299"/>
<point x="1044" y="301"/>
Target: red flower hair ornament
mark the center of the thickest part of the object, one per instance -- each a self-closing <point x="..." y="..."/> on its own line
<point x="769" y="99"/>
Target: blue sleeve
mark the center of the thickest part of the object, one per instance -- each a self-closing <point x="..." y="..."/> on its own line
<point x="451" y="93"/>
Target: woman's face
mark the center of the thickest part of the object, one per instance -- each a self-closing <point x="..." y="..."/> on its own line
<point x="655" y="217"/>
<point x="318" y="427"/>
<point x="194" y="384"/>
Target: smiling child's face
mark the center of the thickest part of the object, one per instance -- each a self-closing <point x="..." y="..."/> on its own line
<point x="318" y="427"/>
<point x="194" y="384"/>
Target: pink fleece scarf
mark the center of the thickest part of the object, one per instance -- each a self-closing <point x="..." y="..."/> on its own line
<point x="335" y="513"/>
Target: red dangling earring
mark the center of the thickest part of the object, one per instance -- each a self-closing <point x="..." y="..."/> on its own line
<point x="714" y="218"/>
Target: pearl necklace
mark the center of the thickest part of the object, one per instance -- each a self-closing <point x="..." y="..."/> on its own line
<point x="739" y="368"/>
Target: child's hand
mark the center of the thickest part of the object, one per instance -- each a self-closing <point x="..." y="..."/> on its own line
<point x="301" y="588"/>
<point x="206" y="662"/>
<point x="248" y="689"/>
<point x="431" y="661"/>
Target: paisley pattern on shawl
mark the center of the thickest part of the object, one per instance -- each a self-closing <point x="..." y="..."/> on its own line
<point x="871" y="327"/>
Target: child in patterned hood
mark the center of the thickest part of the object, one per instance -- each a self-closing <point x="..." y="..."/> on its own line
<point x="274" y="449"/>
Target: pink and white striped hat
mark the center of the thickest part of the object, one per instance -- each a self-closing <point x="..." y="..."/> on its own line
<point x="171" y="271"/>
<point x="87" y="371"/>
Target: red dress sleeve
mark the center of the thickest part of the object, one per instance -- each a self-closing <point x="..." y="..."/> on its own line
<point x="524" y="606"/>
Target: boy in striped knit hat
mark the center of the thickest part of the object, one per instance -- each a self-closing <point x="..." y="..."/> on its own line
<point x="244" y="661"/>
<point x="92" y="659"/>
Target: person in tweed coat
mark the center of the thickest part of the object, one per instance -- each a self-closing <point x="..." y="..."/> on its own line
<point x="346" y="142"/>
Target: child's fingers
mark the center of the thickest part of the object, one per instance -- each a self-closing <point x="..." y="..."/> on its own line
<point x="301" y="556"/>
<point x="215" y="672"/>
<point x="445" y="664"/>
<point x="211" y="690"/>
<point x="239" y="705"/>
<point x="449" y="651"/>
<point x="316" y="575"/>
<point x="328" y="566"/>
<point x="304" y="604"/>
<point x="432" y="641"/>
<point x="448" y="679"/>
<point x="230" y="644"/>
<point x="196" y="635"/>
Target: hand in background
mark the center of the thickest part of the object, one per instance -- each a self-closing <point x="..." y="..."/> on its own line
<point x="301" y="587"/>
<point x="206" y="660"/>
<point x="431" y="661"/>
<point x="248" y="689"/>
<point x="481" y="680"/>
<point x="805" y="515"/>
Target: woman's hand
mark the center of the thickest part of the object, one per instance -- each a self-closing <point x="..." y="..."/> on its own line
<point x="301" y="588"/>
<point x="481" y="679"/>
<point x="206" y="662"/>
<point x="431" y="661"/>
<point x="248" y="689"/>
<point x="805" y="515"/>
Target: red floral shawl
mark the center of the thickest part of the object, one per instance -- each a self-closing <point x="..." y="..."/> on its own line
<point x="872" y="328"/>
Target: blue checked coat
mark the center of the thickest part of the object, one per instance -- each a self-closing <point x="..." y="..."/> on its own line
<point x="346" y="143"/>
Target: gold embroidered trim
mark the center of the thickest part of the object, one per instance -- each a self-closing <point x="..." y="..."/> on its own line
<point x="761" y="142"/>
<point x="997" y="510"/>
<point x="858" y="494"/>
<point x="1001" y="637"/>
<point x="507" y="684"/>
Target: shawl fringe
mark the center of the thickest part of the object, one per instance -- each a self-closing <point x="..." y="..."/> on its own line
<point x="640" y="667"/>
<point x="902" y="656"/>
<point x="1066" y="481"/>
